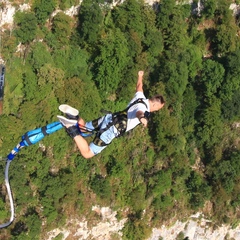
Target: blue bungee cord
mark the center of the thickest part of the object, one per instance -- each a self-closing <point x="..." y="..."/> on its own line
<point x="29" y="138"/>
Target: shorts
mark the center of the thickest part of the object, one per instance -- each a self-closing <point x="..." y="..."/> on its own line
<point x="107" y="136"/>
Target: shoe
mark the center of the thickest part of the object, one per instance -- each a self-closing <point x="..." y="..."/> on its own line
<point x="71" y="113"/>
<point x="67" y="122"/>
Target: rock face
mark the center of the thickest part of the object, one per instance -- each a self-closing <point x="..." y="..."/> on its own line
<point x="195" y="228"/>
<point x="102" y="230"/>
<point x="6" y="15"/>
<point x="8" y="10"/>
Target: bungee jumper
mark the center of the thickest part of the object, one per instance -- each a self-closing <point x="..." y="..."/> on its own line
<point x="113" y="125"/>
<point x="105" y="128"/>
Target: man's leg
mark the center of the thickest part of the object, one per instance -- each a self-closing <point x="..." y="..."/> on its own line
<point x="73" y="131"/>
<point x="83" y="147"/>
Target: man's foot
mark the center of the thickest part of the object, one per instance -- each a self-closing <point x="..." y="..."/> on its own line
<point x="71" y="113"/>
<point x="67" y="122"/>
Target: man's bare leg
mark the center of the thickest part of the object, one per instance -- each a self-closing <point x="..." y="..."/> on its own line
<point x="83" y="146"/>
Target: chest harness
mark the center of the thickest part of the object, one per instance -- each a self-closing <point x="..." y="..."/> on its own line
<point x="119" y="120"/>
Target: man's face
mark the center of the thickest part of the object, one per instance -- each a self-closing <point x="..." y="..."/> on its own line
<point x="157" y="106"/>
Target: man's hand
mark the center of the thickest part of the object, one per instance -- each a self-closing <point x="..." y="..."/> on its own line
<point x="144" y="122"/>
<point x="141" y="118"/>
<point x="140" y="73"/>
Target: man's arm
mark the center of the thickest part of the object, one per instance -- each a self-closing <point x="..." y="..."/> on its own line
<point x="139" y="87"/>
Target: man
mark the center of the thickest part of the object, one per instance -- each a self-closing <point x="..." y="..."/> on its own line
<point x="111" y="126"/>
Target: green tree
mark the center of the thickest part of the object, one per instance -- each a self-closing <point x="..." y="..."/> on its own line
<point x="39" y="56"/>
<point x="62" y="27"/>
<point x="11" y="128"/>
<point x="166" y="10"/>
<point x="212" y="77"/>
<point x="100" y="186"/>
<point x="231" y="108"/>
<point x="29" y="83"/>
<point x="137" y="198"/>
<point x="226" y="174"/>
<point x="128" y="16"/>
<point x="231" y="81"/>
<point x="73" y="60"/>
<point x="48" y="76"/>
<point x="111" y="62"/>
<point x="211" y="129"/>
<point x="52" y="41"/>
<point x="3" y="211"/>
<point x="136" y="228"/>
<point x="189" y="108"/>
<point x="175" y="77"/>
<point x="8" y="44"/>
<point x="65" y="4"/>
<point x="43" y="9"/>
<point x="198" y="190"/>
<point x="192" y="56"/>
<point x="33" y="223"/>
<point x="13" y="91"/>
<point x="181" y="236"/>
<point x="153" y="39"/>
<point x="81" y="94"/>
<point x="209" y="8"/>
<point x="226" y="39"/>
<point x="166" y="134"/>
<point x="169" y="18"/>
<point x="226" y="171"/>
<point x="26" y="26"/>
<point x="91" y="21"/>
<point x="160" y="183"/>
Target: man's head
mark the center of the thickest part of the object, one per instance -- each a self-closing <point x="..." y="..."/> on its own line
<point x="156" y="103"/>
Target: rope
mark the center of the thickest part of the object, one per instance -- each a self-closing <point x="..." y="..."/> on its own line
<point x="10" y="196"/>
<point x="85" y="130"/>
<point x="10" y="158"/>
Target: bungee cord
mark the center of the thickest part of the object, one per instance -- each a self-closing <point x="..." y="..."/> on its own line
<point x="9" y="195"/>
<point x="29" y="138"/>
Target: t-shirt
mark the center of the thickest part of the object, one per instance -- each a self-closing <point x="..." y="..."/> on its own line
<point x="132" y="119"/>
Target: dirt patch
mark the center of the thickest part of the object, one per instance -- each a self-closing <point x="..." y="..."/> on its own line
<point x="206" y="24"/>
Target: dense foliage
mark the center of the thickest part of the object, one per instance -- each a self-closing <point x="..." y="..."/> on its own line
<point x="188" y="158"/>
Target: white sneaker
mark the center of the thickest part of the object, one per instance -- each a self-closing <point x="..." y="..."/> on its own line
<point x="68" y="110"/>
<point x="66" y="122"/>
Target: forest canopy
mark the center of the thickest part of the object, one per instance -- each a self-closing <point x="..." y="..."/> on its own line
<point x="188" y="158"/>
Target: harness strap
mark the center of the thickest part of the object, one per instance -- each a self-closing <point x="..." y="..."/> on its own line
<point x="119" y="120"/>
<point x="44" y="131"/>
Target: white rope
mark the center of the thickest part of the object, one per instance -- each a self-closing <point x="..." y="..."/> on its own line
<point x="10" y="197"/>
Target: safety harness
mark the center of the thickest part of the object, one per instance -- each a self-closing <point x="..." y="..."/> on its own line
<point x="119" y="120"/>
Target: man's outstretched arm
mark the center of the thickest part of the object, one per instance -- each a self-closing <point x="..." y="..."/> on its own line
<point x="139" y="87"/>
